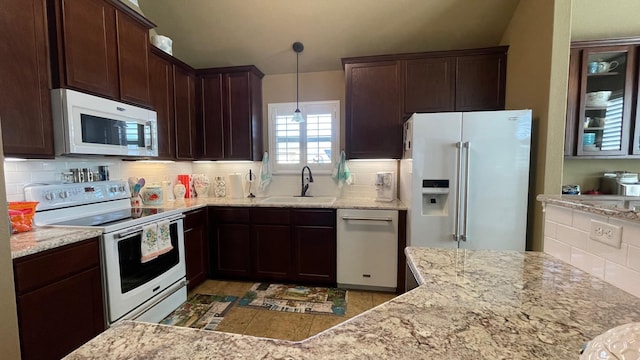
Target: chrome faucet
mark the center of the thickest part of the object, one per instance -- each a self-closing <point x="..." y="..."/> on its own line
<point x="305" y="187"/>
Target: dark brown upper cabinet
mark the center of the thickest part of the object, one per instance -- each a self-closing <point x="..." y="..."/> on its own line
<point x="230" y="105"/>
<point x="383" y="91"/>
<point x="161" y="86"/>
<point x="480" y="80"/>
<point x="25" y="100"/>
<point x="185" y="113"/>
<point x="373" y="121"/>
<point x="602" y="99"/>
<point x="429" y="85"/>
<point x="100" y="47"/>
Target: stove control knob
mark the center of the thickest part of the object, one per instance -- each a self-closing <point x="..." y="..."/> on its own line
<point x="113" y="189"/>
<point x="49" y="196"/>
<point x="121" y="188"/>
<point x="63" y="194"/>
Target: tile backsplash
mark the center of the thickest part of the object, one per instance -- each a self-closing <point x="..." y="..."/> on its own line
<point x="20" y="173"/>
<point x="566" y="236"/>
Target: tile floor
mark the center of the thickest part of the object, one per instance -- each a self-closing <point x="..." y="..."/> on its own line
<point x="283" y="325"/>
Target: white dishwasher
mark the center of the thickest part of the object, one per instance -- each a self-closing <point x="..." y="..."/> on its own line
<point x="367" y="254"/>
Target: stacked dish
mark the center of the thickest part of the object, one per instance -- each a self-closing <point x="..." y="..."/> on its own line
<point x="598" y="98"/>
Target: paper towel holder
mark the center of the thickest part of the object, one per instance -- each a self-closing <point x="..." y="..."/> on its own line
<point x="250" y="178"/>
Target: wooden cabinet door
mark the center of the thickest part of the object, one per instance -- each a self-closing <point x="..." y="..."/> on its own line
<point x="133" y="60"/>
<point x="161" y="86"/>
<point x="196" y="247"/>
<point x="272" y="252"/>
<point x="90" y="48"/>
<point x="231" y="113"/>
<point x="315" y="254"/>
<point x="58" y="318"/>
<point x="233" y="250"/>
<point x="373" y="115"/>
<point x="213" y="128"/>
<point x="25" y="101"/>
<point x="59" y="298"/>
<point x="480" y="82"/>
<point x="314" y="245"/>
<point x="429" y="85"/>
<point x="238" y="113"/>
<point x="185" y="108"/>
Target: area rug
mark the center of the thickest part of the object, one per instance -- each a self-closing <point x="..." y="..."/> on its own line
<point x="295" y="298"/>
<point x="201" y="311"/>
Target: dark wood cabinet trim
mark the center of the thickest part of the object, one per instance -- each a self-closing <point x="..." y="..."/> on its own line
<point x="575" y="98"/>
<point x="429" y="54"/>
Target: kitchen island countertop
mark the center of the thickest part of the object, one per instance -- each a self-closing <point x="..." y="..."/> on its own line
<point x="470" y="305"/>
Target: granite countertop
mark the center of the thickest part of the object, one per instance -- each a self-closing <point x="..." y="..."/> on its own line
<point x="45" y="238"/>
<point x="347" y="203"/>
<point x="470" y="305"/>
<point x="592" y="204"/>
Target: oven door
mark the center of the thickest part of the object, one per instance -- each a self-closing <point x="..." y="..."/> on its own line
<point x="132" y="285"/>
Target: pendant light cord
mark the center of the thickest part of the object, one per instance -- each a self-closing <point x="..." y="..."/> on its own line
<point x="297" y="81"/>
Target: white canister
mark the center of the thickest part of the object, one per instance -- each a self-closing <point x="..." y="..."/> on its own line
<point x="168" y="190"/>
<point x="179" y="190"/>
<point x="152" y="195"/>
<point x="235" y="181"/>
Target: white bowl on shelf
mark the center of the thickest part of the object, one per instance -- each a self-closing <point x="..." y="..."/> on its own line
<point x="598" y="98"/>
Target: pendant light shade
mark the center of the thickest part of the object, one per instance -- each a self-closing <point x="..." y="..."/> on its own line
<point x="297" y="115"/>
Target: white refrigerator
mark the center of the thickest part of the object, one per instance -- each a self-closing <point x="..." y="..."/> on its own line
<point x="465" y="177"/>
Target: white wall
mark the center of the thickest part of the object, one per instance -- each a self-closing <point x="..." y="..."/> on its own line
<point x="566" y="236"/>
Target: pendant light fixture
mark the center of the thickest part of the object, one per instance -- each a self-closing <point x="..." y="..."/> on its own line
<point x="297" y="115"/>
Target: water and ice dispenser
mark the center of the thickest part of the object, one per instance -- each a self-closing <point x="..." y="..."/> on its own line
<point x="435" y="197"/>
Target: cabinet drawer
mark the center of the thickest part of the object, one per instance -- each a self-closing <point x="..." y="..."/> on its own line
<point x="278" y="216"/>
<point x="195" y="218"/>
<point x="314" y="217"/>
<point x="231" y="215"/>
<point x="44" y="268"/>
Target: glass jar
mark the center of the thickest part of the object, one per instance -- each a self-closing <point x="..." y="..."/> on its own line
<point x="220" y="187"/>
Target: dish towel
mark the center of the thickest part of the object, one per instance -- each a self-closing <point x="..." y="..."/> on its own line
<point x="164" y="237"/>
<point x="149" y="243"/>
<point x="341" y="172"/>
<point x="265" y="172"/>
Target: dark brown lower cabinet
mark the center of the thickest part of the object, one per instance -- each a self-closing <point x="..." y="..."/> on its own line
<point x="274" y="244"/>
<point x="230" y="236"/>
<point x="59" y="298"/>
<point x="314" y="244"/>
<point x="196" y="246"/>
<point x="272" y="252"/>
<point x="315" y="254"/>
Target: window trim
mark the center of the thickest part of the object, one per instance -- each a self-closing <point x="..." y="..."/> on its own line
<point x="289" y="107"/>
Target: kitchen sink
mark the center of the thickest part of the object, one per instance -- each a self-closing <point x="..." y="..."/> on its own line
<point x="317" y="200"/>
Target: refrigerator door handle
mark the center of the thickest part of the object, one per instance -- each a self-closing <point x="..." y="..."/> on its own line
<point x="467" y="147"/>
<point x="456" y="220"/>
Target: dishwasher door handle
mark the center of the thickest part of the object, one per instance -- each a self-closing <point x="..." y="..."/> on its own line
<point x="386" y="219"/>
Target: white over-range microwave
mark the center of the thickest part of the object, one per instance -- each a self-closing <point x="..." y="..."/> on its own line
<point x="90" y="125"/>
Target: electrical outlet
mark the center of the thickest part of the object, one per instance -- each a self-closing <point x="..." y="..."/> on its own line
<point x="606" y="233"/>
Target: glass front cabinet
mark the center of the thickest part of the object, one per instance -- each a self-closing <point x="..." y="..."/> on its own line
<point x="602" y="100"/>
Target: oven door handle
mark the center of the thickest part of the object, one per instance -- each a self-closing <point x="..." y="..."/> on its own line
<point x="138" y="229"/>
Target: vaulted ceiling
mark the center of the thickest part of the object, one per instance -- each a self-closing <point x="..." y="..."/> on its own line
<point x="214" y="33"/>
